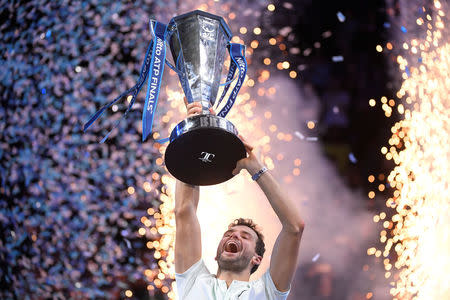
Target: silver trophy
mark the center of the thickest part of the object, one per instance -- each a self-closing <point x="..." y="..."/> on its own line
<point x="204" y="148"/>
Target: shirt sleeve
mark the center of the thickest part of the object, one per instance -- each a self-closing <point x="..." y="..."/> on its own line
<point x="272" y="290"/>
<point x="185" y="281"/>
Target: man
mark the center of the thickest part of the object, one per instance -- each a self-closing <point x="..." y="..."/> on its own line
<point x="241" y="249"/>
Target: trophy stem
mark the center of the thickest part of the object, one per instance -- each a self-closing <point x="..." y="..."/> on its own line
<point x="205" y="107"/>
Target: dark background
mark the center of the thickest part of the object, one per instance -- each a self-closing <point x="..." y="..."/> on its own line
<point x="362" y="75"/>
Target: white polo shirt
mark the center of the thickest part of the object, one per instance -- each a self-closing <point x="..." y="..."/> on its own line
<point x="197" y="283"/>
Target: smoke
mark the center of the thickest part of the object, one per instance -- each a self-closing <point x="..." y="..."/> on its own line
<point x="338" y="226"/>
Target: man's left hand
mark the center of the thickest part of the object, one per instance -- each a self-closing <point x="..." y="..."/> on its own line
<point x="250" y="163"/>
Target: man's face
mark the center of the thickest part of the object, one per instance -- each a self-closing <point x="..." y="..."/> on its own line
<point x="236" y="250"/>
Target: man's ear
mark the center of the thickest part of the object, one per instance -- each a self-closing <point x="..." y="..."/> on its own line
<point x="256" y="259"/>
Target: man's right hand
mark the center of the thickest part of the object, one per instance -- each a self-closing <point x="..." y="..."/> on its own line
<point x="195" y="108"/>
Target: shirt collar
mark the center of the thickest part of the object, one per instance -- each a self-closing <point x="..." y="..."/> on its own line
<point x="234" y="284"/>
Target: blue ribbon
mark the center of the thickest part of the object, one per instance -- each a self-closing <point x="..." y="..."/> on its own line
<point x="134" y="90"/>
<point x="174" y="68"/>
<point x="148" y="65"/>
<point x="237" y="54"/>
<point x="154" y="78"/>
<point x="153" y="69"/>
<point x="228" y="81"/>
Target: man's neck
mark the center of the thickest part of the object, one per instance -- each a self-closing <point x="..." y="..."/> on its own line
<point x="229" y="276"/>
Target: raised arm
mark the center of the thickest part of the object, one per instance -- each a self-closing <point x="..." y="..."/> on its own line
<point x="284" y="258"/>
<point x="188" y="244"/>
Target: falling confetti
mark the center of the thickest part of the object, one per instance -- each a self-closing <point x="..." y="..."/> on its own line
<point x="340" y="16"/>
<point x="312" y="139"/>
<point x="299" y="135"/>
<point x="337" y="58"/>
<point x="352" y="158"/>
<point x="316" y="257"/>
<point x="84" y="220"/>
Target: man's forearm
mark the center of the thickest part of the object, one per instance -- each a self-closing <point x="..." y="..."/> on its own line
<point x="186" y="197"/>
<point x="283" y="262"/>
<point x="282" y="205"/>
<point x="188" y="246"/>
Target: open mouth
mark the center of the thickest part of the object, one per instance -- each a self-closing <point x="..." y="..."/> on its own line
<point x="232" y="247"/>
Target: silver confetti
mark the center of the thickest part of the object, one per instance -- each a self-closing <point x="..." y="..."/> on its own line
<point x="316" y="257"/>
<point x="312" y="139"/>
<point x="299" y="135"/>
<point x="340" y="16"/>
<point x="337" y="58"/>
<point x="352" y="158"/>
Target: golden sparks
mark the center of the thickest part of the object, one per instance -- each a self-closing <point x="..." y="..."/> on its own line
<point x="420" y="147"/>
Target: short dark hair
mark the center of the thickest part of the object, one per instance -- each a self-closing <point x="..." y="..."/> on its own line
<point x="260" y="246"/>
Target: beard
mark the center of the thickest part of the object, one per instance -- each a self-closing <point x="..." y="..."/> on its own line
<point x="237" y="264"/>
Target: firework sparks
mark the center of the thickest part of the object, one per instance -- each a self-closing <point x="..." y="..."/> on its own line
<point x="420" y="148"/>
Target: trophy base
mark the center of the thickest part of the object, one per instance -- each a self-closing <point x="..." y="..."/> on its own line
<point x="203" y="150"/>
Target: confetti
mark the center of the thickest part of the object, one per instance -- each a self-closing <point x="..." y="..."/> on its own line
<point x="71" y="226"/>
<point x="340" y="16"/>
<point x="337" y="58"/>
<point x="288" y="5"/>
<point x="327" y="34"/>
<point x="316" y="257"/>
<point x="299" y="135"/>
<point x="68" y="200"/>
<point x="128" y="243"/>
<point x="336" y="109"/>
<point x="352" y="158"/>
